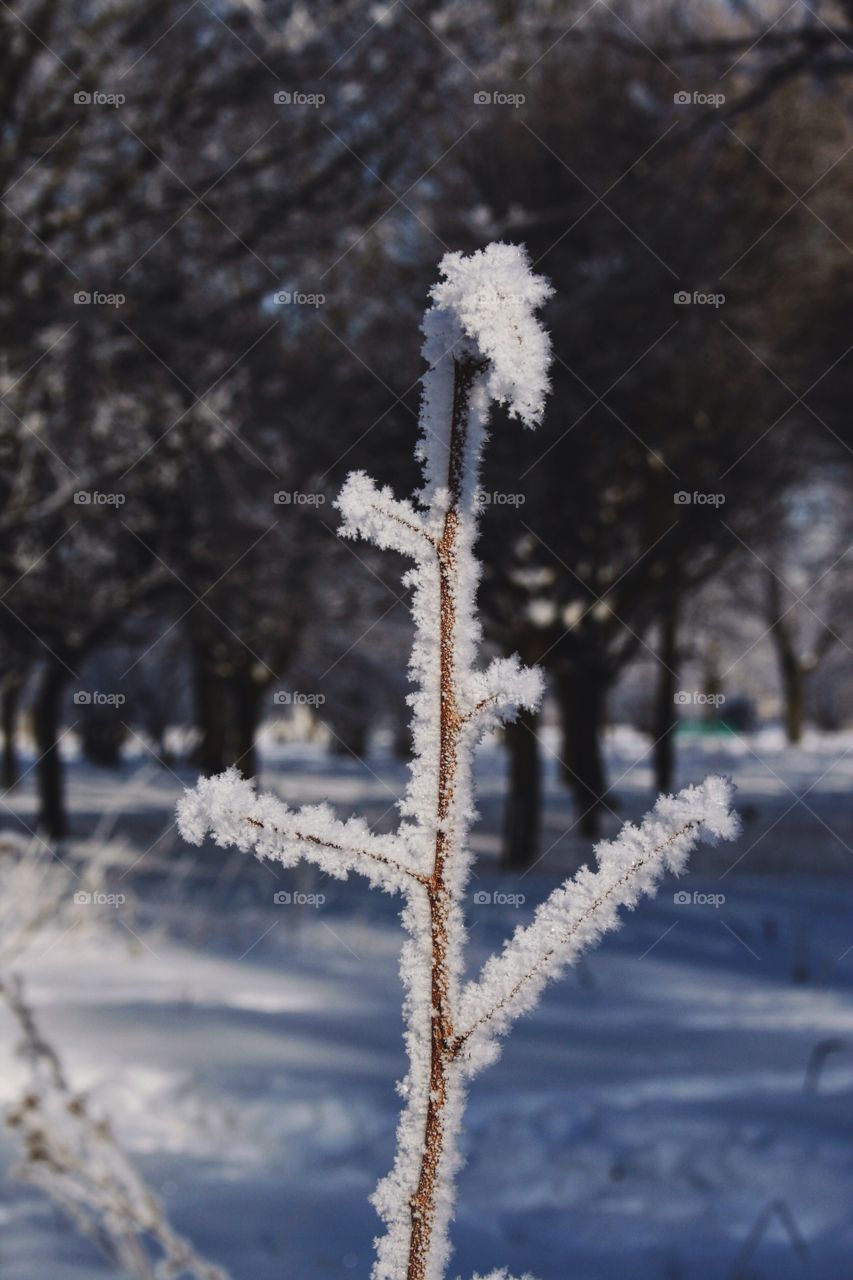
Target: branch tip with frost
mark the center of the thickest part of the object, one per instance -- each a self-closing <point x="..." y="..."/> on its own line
<point x="504" y="688"/>
<point x="375" y="515"/>
<point x="484" y="307"/>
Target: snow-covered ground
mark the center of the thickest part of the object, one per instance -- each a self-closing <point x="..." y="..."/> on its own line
<point x="652" y="1119"/>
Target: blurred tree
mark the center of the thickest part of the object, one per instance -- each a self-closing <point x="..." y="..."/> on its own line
<point x="667" y="326"/>
<point x="802" y="557"/>
<point x="204" y="177"/>
<point x="156" y="237"/>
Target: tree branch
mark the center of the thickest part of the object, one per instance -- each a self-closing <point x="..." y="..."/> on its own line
<point x="591" y="910"/>
<point x="339" y="848"/>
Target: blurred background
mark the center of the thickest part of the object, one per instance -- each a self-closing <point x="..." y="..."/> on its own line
<point x="220" y="222"/>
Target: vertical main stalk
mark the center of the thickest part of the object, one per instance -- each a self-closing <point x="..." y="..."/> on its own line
<point x="441" y="1024"/>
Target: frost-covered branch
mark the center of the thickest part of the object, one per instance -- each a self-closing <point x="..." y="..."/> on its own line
<point x="497" y="694"/>
<point x="228" y="808"/>
<point x="39" y="894"/>
<point x="581" y="911"/>
<point x="377" y="516"/>
<point x="483" y="345"/>
<point x="70" y="1154"/>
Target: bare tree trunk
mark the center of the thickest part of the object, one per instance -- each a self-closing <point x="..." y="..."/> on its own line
<point x="792" y="670"/>
<point x="9" y="716"/>
<point x="350" y="740"/>
<point x="665" y="718"/>
<point x="794" y="694"/>
<point x="712" y="688"/>
<point x="582" y="692"/>
<point x="210" y="709"/>
<point x="522" y="808"/>
<point x="53" y="818"/>
<point x="245" y="707"/>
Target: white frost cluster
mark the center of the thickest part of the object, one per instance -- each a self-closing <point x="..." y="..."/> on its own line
<point x="483" y="344"/>
<point x="486" y="304"/>
<point x="504" y="688"/>
<point x="483" y="310"/>
<point x="377" y="516"/>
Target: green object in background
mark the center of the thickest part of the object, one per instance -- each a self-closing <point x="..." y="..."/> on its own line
<point x="704" y="729"/>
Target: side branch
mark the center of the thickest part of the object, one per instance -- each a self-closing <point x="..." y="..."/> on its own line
<point x="229" y="809"/>
<point x="483" y="705"/>
<point x="339" y="848"/>
<point x="578" y="913"/>
<point x="377" y="516"/>
<point x="503" y="689"/>
<point x="566" y="937"/>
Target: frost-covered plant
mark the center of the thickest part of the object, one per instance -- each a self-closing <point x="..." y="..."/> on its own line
<point x="37" y="895"/>
<point x="69" y="1150"/>
<point x="483" y="344"/>
<point x="71" y="1155"/>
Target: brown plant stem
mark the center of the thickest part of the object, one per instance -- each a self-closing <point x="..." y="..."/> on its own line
<point x="441" y="1024"/>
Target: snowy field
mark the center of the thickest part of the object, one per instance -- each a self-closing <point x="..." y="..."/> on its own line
<point x="680" y="1109"/>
